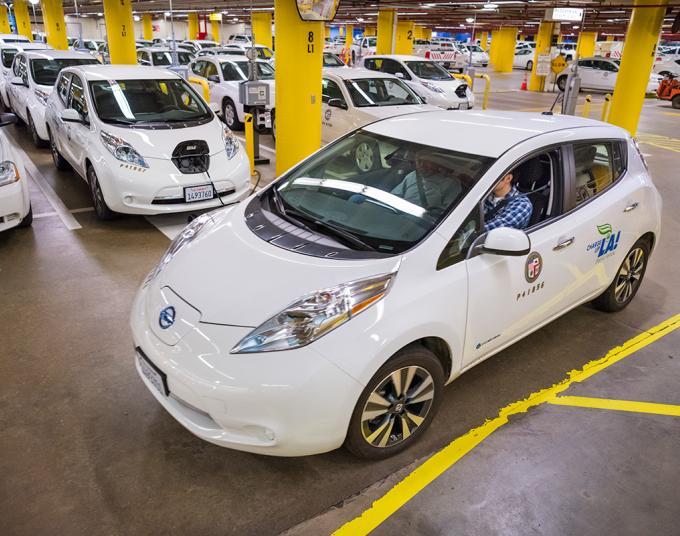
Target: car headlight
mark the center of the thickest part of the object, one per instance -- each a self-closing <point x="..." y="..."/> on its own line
<point x="432" y="87"/>
<point x="189" y="233"/>
<point x="122" y="150"/>
<point x="8" y="173"/>
<point x="41" y="96"/>
<point x="314" y="315"/>
<point x="231" y="144"/>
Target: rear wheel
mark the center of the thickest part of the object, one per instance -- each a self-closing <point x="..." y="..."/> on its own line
<point x="675" y="101"/>
<point x="37" y="140"/>
<point x="397" y="405"/>
<point x="59" y="161"/>
<point x="101" y="208"/>
<point x="230" y="115"/>
<point x="562" y="83"/>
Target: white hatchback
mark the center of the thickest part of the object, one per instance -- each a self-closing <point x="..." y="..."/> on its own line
<point x="144" y="141"/>
<point x="599" y="73"/>
<point x="370" y="290"/>
<point x="15" y="203"/>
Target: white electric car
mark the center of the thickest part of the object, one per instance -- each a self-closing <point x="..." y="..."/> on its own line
<point x="7" y="53"/>
<point x="17" y="39"/>
<point x="263" y="52"/>
<point x="224" y="75"/>
<point x="599" y="73"/>
<point x="162" y="56"/>
<point x="144" y="140"/>
<point x="427" y="78"/>
<point x="354" y="97"/>
<point x="479" y="57"/>
<point x="34" y="74"/>
<point x="524" y="58"/>
<point x="15" y="203"/>
<point x="375" y="289"/>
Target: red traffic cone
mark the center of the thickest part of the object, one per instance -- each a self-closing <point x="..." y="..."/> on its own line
<point x="523" y="87"/>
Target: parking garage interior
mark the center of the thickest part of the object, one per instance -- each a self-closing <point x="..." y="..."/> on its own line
<point x="573" y="429"/>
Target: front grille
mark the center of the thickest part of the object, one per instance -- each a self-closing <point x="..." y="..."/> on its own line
<point x="192" y="157"/>
<point x="461" y="91"/>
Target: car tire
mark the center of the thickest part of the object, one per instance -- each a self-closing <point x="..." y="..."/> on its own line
<point x="100" y="207"/>
<point x="562" y="83"/>
<point x="367" y="156"/>
<point x="530" y="65"/>
<point x="353" y="58"/>
<point x="230" y="115"/>
<point x="37" y="140"/>
<point x="28" y="218"/>
<point x="627" y="281"/>
<point x="675" y="102"/>
<point x="274" y="125"/>
<point x="383" y="415"/>
<point x="59" y="161"/>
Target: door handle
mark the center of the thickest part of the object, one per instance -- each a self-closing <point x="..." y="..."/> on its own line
<point x="631" y="207"/>
<point x="564" y="244"/>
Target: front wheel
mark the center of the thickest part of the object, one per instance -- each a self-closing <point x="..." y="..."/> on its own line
<point x="100" y="207"/>
<point x="397" y="405"/>
<point x="627" y="281"/>
<point x="59" y="161"/>
<point x="675" y="102"/>
<point x="37" y="140"/>
<point x="231" y="116"/>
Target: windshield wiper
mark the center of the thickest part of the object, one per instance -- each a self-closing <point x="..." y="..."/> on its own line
<point x="121" y="121"/>
<point x="346" y="236"/>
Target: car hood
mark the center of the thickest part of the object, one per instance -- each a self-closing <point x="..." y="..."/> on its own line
<point x="383" y="112"/>
<point x="449" y="86"/>
<point x="161" y="142"/>
<point x="233" y="277"/>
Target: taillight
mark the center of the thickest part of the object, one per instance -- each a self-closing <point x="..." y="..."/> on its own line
<point x="427" y="54"/>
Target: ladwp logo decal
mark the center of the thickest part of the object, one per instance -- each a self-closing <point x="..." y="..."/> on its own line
<point x="607" y="244"/>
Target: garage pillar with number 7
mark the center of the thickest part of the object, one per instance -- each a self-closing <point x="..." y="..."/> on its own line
<point x="299" y="53"/>
<point x="120" y="31"/>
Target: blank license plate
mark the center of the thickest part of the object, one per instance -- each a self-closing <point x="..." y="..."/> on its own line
<point x="463" y="106"/>
<point x="151" y="373"/>
<point x="198" y="193"/>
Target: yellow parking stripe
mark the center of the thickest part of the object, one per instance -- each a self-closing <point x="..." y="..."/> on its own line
<point x="663" y="142"/>
<point x="434" y="466"/>
<point x="619" y="405"/>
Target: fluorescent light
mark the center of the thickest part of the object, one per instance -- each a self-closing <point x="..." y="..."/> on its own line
<point x="470" y="20"/>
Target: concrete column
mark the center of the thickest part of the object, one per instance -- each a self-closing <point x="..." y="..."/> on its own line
<point x="505" y="53"/>
<point x="55" y="27"/>
<point x="147" y="26"/>
<point x="483" y="38"/>
<point x="404" y="40"/>
<point x="639" y="52"/>
<point x="193" y="26"/>
<point x="262" y="28"/>
<point x="299" y="50"/>
<point x="120" y="31"/>
<point x="22" y="18"/>
<point x="543" y="42"/>
<point x="387" y="21"/>
<point x="4" y="20"/>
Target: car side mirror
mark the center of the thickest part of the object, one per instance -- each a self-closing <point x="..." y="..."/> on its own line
<point x="71" y="116"/>
<point x="506" y="241"/>
<point x="7" y="119"/>
<point x="337" y="103"/>
<point x="146" y="63"/>
<point x="18" y="81"/>
<point x="214" y="78"/>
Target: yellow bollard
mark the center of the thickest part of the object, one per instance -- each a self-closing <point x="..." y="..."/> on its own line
<point x="465" y="77"/>
<point x="487" y="88"/>
<point x="586" y="106"/>
<point x="203" y="84"/>
<point x="250" y="142"/>
<point x="605" y="107"/>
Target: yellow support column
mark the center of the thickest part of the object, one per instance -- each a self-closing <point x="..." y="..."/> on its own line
<point x="404" y="40"/>
<point x="147" y="26"/>
<point x="22" y="18"/>
<point x="326" y="32"/>
<point x="299" y="50"/>
<point x="493" y="45"/>
<point x="387" y="20"/>
<point x="586" y="44"/>
<point x="611" y="38"/>
<point x="120" y="31"/>
<point x="642" y="37"/>
<point x="427" y="33"/>
<point x="483" y="38"/>
<point x="505" y="52"/>
<point x="369" y="31"/>
<point x="262" y="28"/>
<point x="215" y="19"/>
<point x="193" y="26"/>
<point x="55" y="27"/>
<point x="349" y="36"/>
<point x="543" y="42"/>
<point x="4" y="20"/>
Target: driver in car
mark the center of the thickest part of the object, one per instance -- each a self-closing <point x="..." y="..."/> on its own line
<point x="432" y="183"/>
<point x="506" y="206"/>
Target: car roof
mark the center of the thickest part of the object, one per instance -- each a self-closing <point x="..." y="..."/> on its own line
<point x="358" y="73"/>
<point x="122" y="72"/>
<point x="57" y="54"/>
<point x="15" y="36"/>
<point x="229" y="57"/>
<point x="26" y="46"/>
<point x="486" y="133"/>
<point x="399" y="57"/>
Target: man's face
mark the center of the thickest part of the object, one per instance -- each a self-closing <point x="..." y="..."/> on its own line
<point x="427" y="168"/>
<point x="503" y="186"/>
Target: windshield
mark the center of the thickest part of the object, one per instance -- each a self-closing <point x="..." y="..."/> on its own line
<point x="208" y="45"/>
<point x="45" y="71"/>
<point x="8" y="56"/>
<point x="147" y="101"/>
<point x="380" y="92"/>
<point x="389" y="193"/>
<point x="165" y="58"/>
<point x="264" y="70"/>
<point x="474" y="48"/>
<point x="15" y="40"/>
<point x="372" y="41"/>
<point x="264" y="53"/>
<point x="428" y="70"/>
<point x="331" y="60"/>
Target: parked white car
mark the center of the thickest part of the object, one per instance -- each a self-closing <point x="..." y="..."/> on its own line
<point x="8" y="39"/>
<point x="668" y="64"/>
<point x="7" y="53"/>
<point x="362" y="48"/>
<point x="239" y="38"/>
<point x="384" y="291"/>
<point x="600" y="74"/>
<point x="144" y="140"/>
<point x="200" y="44"/>
<point x="479" y="57"/>
<point x="15" y="203"/>
<point x="224" y="75"/>
<point x="162" y="57"/>
<point x="427" y="78"/>
<point x="33" y="76"/>
<point x="355" y="97"/>
<point x="93" y="46"/>
<point x="524" y="58"/>
<point x="263" y="53"/>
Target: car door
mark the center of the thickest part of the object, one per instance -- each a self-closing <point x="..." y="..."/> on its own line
<point x="19" y="93"/>
<point x="59" y="128"/>
<point x="587" y="73"/>
<point x="78" y="133"/>
<point x="335" y="121"/>
<point x="600" y="75"/>
<point x="609" y="73"/>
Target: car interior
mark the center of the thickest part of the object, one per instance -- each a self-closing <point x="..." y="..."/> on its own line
<point x="535" y="178"/>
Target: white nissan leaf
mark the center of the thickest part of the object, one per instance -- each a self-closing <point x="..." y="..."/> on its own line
<point x="334" y="305"/>
<point x="15" y="203"/>
<point x="144" y="140"/>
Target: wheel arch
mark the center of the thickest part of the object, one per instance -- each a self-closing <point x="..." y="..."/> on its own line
<point x="438" y="346"/>
<point x="650" y="238"/>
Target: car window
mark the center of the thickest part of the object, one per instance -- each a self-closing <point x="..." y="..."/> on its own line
<point x="608" y="66"/>
<point x="373" y="64"/>
<point x="197" y="67"/>
<point x="585" y="63"/>
<point x="231" y="73"/>
<point x="394" y="67"/>
<point x="330" y="90"/>
<point x="45" y="71"/>
<point x="210" y="69"/>
<point x="428" y="70"/>
<point x="264" y="70"/>
<point x="8" y="56"/>
<point x="62" y="87"/>
<point x="457" y="248"/>
<point x="596" y="165"/>
<point x="380" y="92"/>
<point x="77" y="96"/>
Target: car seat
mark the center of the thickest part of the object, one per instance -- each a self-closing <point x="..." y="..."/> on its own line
<point x="533" y="179"/>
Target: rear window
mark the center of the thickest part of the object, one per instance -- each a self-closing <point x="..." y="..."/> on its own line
<point x="8" y="57"/>
<point x="46" y="71"/>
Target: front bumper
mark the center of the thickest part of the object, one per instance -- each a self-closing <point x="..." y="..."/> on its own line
<point x="290" y="403"/>
<point x="14" y="204"/>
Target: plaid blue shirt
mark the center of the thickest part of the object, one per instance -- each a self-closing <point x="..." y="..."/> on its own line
<point x="516" y="213"/>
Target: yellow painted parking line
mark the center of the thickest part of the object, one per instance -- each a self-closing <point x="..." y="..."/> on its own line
<point x="663" y="142"/>
<point x="670" y="113"/>
<point x="618" y="405"/>
<point x="443" y="460"/>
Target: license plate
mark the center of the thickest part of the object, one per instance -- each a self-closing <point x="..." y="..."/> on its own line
<point x="151" y="373"/>
<point x="463" y="106"/>
<point x="198" y="193"/>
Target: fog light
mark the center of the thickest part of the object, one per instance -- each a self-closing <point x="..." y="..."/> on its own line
<point x="128" y="199"/>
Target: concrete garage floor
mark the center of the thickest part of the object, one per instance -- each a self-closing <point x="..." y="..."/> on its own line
<point x="87" y="450"/>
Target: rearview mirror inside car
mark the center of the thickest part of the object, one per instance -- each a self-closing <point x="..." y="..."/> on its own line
<point x="506" y="241"/>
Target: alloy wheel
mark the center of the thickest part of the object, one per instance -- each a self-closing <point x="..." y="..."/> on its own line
<point x="364" y="156"/>
<point x="397" y="407"/>
<point x="630" y="275"/>
<point x="230" y="114"/>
